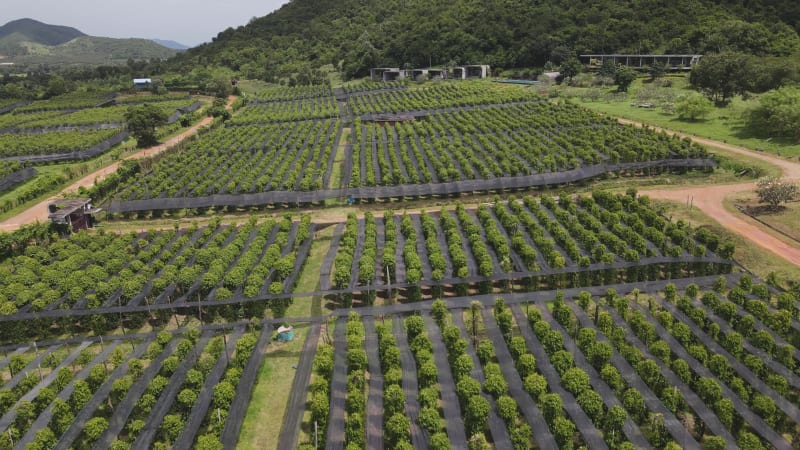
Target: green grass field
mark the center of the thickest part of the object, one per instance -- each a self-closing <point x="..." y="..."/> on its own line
<point x="784" y="220"/>
<point x="262" y="423"/>
<point x="338" y="162"/>
<point x="722" y="124"/>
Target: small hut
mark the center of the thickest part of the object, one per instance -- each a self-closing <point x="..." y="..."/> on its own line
<point x="77" y="214"/>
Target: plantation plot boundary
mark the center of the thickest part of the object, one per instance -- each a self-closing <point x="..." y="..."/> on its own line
<point x="641" y="308"/>
<point x="238" y="160"/>
<point x="201" y="376"/>
<point x="529" y="244"/>
<point x="62" y="128"/>
<point x="476" y="138"/>
<point x="581" y="241"/>
<point x="640" y="406"/>
<point x="183" y="111"/>
<point x="15" y="178"/>
<point x="403" y="191"/>
<point x="173" y="268"/>
<point x="14" y="106"/>
<point x="191" y="307"/>
<point x="89" y="153"/>
<point x="73" y="134"/>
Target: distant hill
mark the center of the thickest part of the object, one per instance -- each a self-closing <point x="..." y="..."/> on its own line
<point x="32" y="42"/>
<point x="354" y="35"/>
<point x="170" y="44"/>
<point x="41" y="33"/>
<point x="94" y="50"/>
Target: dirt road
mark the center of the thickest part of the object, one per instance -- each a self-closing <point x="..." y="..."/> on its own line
<point x="710" y="199"/>
<point x="38" y="212"/>
<point x="790" y="169"/>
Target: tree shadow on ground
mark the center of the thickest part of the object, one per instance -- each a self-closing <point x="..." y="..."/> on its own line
<point x="764" y="210"/>
<point x="750" y="132"/>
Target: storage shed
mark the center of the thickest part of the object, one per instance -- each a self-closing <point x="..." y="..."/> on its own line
<point x="77" y="213"/>
<point x="142" y="83"/>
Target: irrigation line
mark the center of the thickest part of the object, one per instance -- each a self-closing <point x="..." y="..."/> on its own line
<point x="16" y="178"/>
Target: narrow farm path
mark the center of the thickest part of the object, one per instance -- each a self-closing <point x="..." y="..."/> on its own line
<point x="410" y="383"/>
<point x="293" y="417"/>
<point x="497" y="427"/>
<point x="447" y="386"/>
<point x="38" y="212"/>
<point x="710" y="199"/>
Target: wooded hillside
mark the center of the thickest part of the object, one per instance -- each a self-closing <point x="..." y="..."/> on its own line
<point x="354" y="35"/>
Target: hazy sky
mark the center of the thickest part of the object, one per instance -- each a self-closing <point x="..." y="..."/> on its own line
<point x="189" y="22"/>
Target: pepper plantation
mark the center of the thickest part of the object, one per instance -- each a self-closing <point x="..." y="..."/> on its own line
<point x="499" y="311"/>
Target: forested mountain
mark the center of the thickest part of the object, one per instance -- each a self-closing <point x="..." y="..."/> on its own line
<point x="357" y="34"/>
<point x="38" y="32"/>
<point x="27" y="41"/>
<point x="92" y="50"/>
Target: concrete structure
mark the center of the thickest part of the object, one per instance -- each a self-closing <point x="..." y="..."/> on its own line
<point x="456" y="73"/>
<point x="76" y="213"/>
<point x="142" y="83"/>
<point x="472" y="71"/>
<point x="673" y="62"/>
<point x="552" y="75"/>
<point x="434" y="74"/>
<point x="386" y="74"/>
<point x="427" y="74"/>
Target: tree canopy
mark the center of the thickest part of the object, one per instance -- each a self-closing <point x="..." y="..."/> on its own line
<point x="142" y="122"/>
<point x="775" y="191"/>
<point x="693" y="107"/>
<point x="777" y="113"/>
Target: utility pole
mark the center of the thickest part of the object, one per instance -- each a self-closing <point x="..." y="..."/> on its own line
<point x="225" y="343"/>
<point x="39" y="364"/>
<point x="388" y="285"/>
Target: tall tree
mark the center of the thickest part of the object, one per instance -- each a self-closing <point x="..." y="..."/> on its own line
<point x="624" y="77"/>
<point x="721" y="76"/>
<point x="775" y="191"/>
<point x="142" y="122"/>
<point x="693" y="106"/>
<point x="777" y="113"/>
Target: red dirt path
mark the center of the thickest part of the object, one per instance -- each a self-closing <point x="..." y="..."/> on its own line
<point x="38" y="212"/>
<point x="710" y="199"/>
